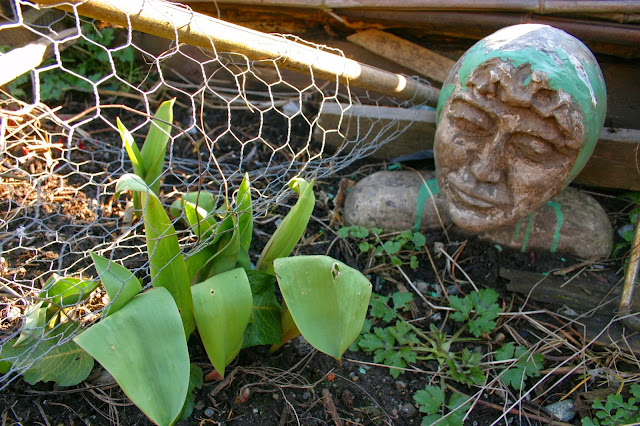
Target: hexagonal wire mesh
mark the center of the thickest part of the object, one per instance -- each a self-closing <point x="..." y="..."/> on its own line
<point x="61" y="153"/>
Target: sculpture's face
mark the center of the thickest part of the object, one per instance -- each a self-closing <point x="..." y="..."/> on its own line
<point x="505" y="145"/>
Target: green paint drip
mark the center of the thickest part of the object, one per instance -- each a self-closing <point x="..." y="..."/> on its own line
<point x="426" y="190"/>
<point x="527" y="233"/>
<point x="559" y="222"/>
<point x="516" y="234"/>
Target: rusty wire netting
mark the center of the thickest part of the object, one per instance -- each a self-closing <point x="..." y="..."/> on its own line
<point x="61" y="153"/>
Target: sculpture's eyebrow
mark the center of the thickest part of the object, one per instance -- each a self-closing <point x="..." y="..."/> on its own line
<point x="546" y="128"/>
<point x="476" y="112"/>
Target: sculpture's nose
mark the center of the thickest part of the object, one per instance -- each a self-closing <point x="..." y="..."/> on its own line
<point x="489" y="165"/>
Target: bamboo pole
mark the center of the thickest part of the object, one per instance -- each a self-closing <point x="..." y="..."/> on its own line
<point x="178" y="23"/>
<point x="530" y="6"/>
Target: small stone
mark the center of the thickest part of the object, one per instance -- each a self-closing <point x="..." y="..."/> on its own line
<point x="408" y="410"/>
<point x="306" y="395"/>
<point x="355" y="378"/>
<point x="562" y="410"/>
<point x="209" y="412"/>
<point x="422" y="287"/>
<point x="400" y="384"/>
<point x="275" y="396"/>
<point x="394" y="413"/>
<point x="388" y="200"/>
<point x="256" y="411"/>
<point x="199" y="405"/>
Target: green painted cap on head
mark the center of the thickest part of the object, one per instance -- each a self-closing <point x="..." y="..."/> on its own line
<point x="568" y="64"/>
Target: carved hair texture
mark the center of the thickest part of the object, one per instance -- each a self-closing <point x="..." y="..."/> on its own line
<point x="522" y="87"/>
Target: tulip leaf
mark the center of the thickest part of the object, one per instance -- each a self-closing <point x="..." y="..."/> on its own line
<point x="48" y="359"/>
<point x="222" y="307"/>
<point x="154" y="148"/>
<point x="264" y="328"/>
<point x="203" y="199"/>
<point x="292" y="227"/>
<point x="144" y="348"/>
<point x="245" y="221"/>
<point x="327" y="299"/>
<point x="132" y="149"/>
<point x="121" y="285"/>
<point x="66" y="291"/>
<point x="166" y="265"/>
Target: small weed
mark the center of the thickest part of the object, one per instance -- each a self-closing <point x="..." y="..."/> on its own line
<point x="627" y="233"/>
<point x="399" y="248"/>
<point x="431" y="400"/>
<point x="615" y="411"/>
<point x="397" y="343"/>
<point x="81" y="65"/>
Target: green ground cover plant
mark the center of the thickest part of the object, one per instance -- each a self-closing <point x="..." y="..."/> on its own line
<point x="399" y="248"/>
<point x="396" y="342"/>
<point x="615" y="410"/>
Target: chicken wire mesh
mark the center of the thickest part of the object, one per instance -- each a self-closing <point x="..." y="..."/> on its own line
<point x="61" y="153"/>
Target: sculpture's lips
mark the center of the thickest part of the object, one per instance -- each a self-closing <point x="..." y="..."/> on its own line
<point x="465" y="195"/>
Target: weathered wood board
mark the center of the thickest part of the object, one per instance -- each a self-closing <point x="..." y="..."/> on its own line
<point x="585" y="295"/>
<point x="614" y="163"/>
<point x="424" y="61"/>
<point x="369" y="124"/>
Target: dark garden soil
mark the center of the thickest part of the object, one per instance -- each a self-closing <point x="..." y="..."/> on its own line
<point x="297" y="384"/>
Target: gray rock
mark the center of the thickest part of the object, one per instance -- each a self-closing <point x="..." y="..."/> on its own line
<point x="409" y="410"/>
<point x="562" y="410"/>
<point x="572" y="222"/>
<point x="389" y="200"/>
<point x="423" y="287"/>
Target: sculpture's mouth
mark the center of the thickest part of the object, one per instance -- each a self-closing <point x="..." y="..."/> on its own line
<point x="477" y="196"/>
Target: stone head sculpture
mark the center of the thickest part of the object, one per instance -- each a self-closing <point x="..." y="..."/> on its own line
<point x="518" y="117"/>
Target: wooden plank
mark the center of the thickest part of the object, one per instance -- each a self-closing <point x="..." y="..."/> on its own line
<point x="410" y="55"/>
<point x="368" y="125"/>
<point x="584" y="295"/>
<point x="614" y="163"/>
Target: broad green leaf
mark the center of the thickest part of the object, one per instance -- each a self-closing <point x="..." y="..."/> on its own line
<point x="195" y="381"/>
<point x="143" y="346"/>
<point x="227" y="249"/>
<point x="121" y="285"/>
<point x="48" y="359"/>
<point x="33" y="323"/>
<point x="203" y="199"/>
<point x="222" y="307"/>
<point x="200" y="222"/>
<point x="197" y="263"/>
<point x="63" y="292"/>
<point x="327" y="299"/>
<point x="166" y="264"/>
<point x="245" y="221"/>
<point x="288" y="327"/>
<point x="154" y="148"/>
<point x="264" y="328"/>
<point x="292" y="227"/>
